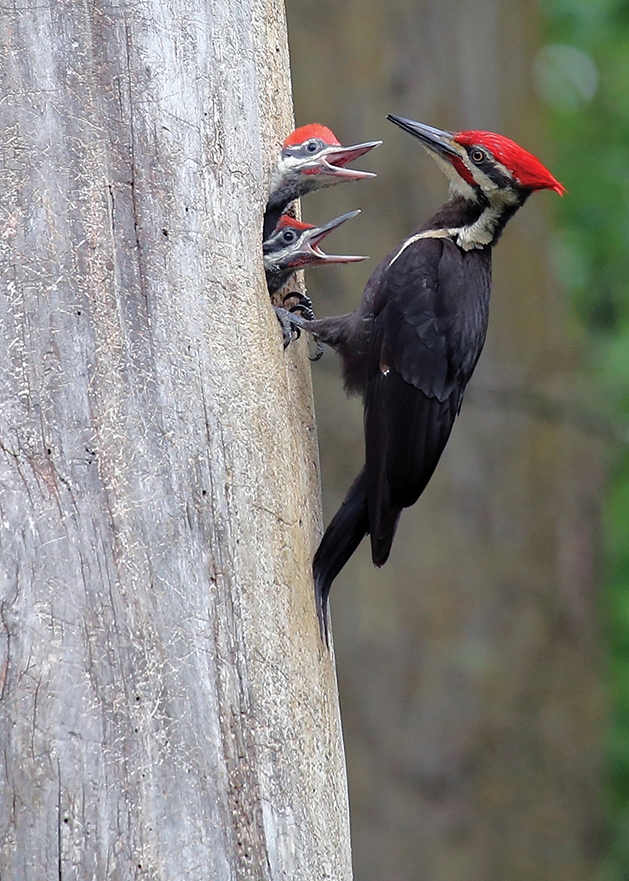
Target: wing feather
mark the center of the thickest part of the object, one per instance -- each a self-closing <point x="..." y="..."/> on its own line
<point x="424" y="338"/>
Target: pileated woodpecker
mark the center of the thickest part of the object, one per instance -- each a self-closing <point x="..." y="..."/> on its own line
<point x="412" y="344"/>
<point x="311" y="158"/>
<point x="292" y="246"/>
<point x="295" y="245"/>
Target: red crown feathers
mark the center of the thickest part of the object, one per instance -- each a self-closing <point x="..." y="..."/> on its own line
<point x="286" y="220"/>
<point x="314" y="130"/>
<point x="527" y="168"/>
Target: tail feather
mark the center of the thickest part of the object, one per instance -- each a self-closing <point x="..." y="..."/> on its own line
<point x="349" y="526"/>
<point x="383" y="533"/>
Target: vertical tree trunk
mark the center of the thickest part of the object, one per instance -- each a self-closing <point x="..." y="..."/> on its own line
<point x="167" y="709"/>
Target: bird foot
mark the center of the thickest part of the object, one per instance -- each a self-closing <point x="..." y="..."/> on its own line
<point x="303" y="305"/>
<point x="290" y="323"/>
<point x="318" y="352"/>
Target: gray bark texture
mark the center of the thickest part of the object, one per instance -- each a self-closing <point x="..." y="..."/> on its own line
<point x="168" y="711"/>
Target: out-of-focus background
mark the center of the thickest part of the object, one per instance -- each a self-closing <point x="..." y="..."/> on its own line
<point x="484" y="672"/>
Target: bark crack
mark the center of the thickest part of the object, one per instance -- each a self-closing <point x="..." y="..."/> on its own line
<point x="59" y="849"/>
<point x="113" y="209"/>
<point x="132" y="144"/>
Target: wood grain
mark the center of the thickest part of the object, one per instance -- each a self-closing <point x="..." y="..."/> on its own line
<point x="167" y="709"/>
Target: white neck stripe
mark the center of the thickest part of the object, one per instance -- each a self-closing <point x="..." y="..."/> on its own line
<point x="465" y="237"/>
<point x="427" y="234"/>
<point x="475" y="235"/>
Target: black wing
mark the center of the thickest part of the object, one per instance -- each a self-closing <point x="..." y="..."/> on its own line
<point x="429" y="325"/>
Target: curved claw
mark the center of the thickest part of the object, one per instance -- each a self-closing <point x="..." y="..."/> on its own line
<point x="303" y="305"/>
<point x="291" y="324"/>
<point x="304" y="299"/>
<point x="318" y="352"/>
<point x="306" y="311"/>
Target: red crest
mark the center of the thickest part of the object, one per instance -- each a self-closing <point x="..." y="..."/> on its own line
<point x="314" y="130"/>
<point x="525" y="167"/>
<point x="286" y="220"/>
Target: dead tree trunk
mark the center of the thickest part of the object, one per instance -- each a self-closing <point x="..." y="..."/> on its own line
<point x="167" y="711"/>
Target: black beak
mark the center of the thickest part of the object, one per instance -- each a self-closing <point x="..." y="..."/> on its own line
<point x="315" y="236"/>
<point x="435" y="139"/>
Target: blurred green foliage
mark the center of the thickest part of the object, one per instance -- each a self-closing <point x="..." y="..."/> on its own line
<point x="592" y="258"/>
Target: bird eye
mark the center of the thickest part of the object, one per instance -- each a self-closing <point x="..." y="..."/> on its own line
<point x="312" y="146"/>
<point x="289" y="236"/>
<point x="477" y="155"/>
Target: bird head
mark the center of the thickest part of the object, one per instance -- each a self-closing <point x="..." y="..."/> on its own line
<point x="478" y="162"/>
<point x="312" y="158"/>
<point x="294" y="244"/>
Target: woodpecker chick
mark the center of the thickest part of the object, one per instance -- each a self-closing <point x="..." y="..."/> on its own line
<point x="295" y="245"/>
<point x="311" y="158"/>
<point x="412" y="344"/>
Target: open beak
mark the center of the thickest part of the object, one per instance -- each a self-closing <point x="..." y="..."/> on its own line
<point x="334" y="159"/>
<point x="434" y="139"/>
<point x="311" y="239"/>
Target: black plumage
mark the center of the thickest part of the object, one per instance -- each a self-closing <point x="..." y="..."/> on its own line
<point x="411" y="346"/>
<point x="410" y="349"/>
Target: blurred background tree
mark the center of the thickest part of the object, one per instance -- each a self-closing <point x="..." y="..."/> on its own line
<point x="472" y="670"/>
<point x="583" y="77"/>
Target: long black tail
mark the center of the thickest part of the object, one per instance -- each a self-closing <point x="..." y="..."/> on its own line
<point x="346" y="531"/>
<point x="383" y="532"/>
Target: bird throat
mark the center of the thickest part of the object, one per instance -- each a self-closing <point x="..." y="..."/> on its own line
<point x="495" y="210"/>
<point x="479" y="229"/>
<point x="480" y="233"/>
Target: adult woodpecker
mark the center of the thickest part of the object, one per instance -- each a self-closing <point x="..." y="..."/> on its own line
<point x="311" y="158"/>
<point x="413" y="342"/>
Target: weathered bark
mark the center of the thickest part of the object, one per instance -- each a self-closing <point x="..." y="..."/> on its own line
<point x="469" y="669"/>
<point x="167" y="708"/>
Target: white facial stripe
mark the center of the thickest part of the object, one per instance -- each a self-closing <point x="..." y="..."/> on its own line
<point x="502" y="168"/>
<point x="486" y="184"/>
<point x="480" y="233"/>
